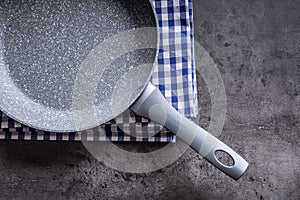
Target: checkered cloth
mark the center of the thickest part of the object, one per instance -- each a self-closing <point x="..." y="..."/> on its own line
<point x="174" y="75"/>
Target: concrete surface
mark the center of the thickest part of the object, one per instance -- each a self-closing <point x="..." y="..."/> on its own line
<point x="256" y="45"/>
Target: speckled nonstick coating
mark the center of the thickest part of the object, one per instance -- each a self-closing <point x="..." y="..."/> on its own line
<point x="43" y="43"/>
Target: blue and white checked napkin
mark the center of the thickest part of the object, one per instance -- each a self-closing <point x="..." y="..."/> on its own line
<point x="174" y="75"/>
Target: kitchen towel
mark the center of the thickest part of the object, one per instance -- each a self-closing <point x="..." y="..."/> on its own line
<point x="174" y="75"/>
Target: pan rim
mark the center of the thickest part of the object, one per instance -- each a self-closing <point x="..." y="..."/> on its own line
<point x="43" y="128"/>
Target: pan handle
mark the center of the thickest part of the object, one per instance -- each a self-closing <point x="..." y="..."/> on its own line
<point x="154" y="106"/>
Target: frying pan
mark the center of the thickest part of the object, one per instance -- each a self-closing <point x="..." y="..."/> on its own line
<point x="70" y="66"/>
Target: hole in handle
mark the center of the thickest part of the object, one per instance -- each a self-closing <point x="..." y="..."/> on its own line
<point x="224" y="158"/>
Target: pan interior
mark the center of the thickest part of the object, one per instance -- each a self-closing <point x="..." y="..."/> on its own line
<point x="44" y="45"/>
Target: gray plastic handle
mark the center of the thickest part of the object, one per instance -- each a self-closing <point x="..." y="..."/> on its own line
<point x="154" y="106"/>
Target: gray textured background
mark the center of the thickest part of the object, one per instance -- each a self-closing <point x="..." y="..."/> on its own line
<point x="256" y="45"/>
